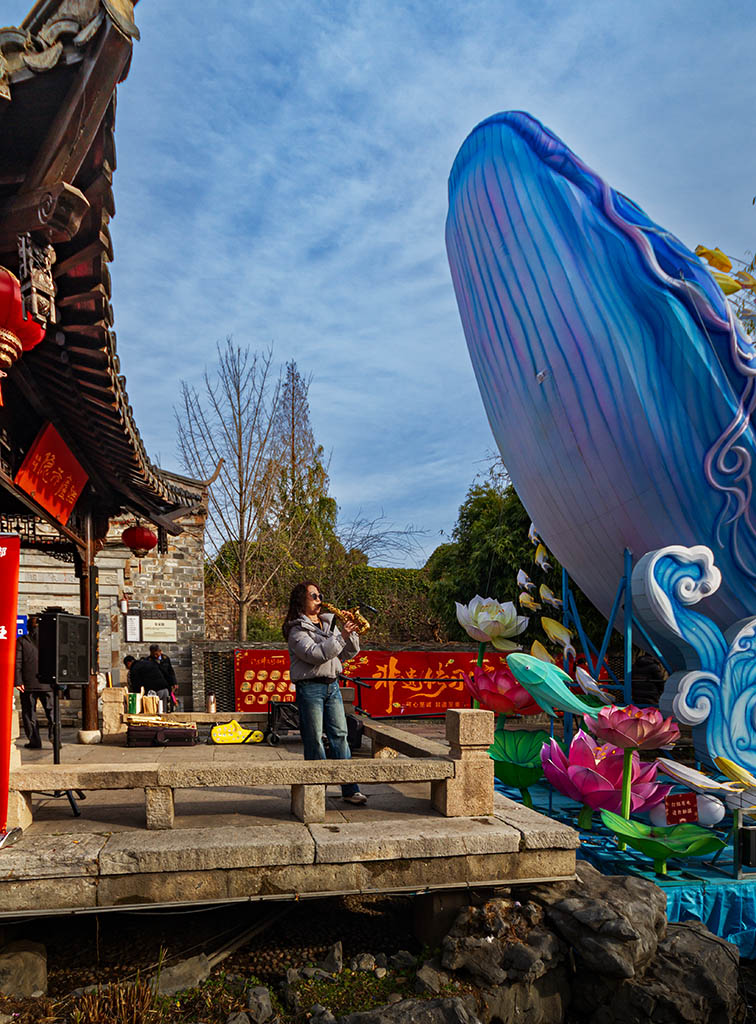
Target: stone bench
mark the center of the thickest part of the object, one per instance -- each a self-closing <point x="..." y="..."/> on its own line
<point x="461" y="782"/>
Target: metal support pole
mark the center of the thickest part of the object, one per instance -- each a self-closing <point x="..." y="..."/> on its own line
<point x="628" y="626"/>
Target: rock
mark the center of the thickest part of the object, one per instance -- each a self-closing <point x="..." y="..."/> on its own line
<point x="395" y="997"/>
<point x="89" y="736"/>
<point x="517" y="963"/>
<point x="293" y="976"/>
<point x="381" y="960"/>
<point x="613" y="922"/>
<point x="321" y="1015"/>
<point x="416" y="1011"/>
<point x="182" y="976"/>
<point x="430" y="978"/>
<point x="259" y="1006"/>
<point x="403" y="960"/>
<point x="693" y="977"/>
<point x="363" y="962"/>
<point x="237" y="1018"/>
<point x="380" y="972"/>
<point x="23" y="969"/>
<point x="334" y="960"/>
<point x="543" y="1001"/>
<point x="499" y="941"/>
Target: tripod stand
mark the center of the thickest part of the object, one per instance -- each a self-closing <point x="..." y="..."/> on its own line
<point x="71" y="794"/>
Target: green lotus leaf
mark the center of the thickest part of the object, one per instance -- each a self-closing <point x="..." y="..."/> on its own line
<point x="518" y="746"/>
<point x="685" y="840"/>
<point x="517" y="776"/>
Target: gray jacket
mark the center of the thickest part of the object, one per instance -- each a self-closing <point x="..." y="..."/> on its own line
<point x="317" y="652"/>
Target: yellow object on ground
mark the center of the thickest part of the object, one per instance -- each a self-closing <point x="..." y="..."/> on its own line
<point x="232" y="732"/>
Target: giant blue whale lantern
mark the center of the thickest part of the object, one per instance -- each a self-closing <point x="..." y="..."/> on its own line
<point x="617" y="382"/>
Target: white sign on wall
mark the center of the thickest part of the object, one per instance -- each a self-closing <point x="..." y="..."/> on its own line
<point x="159" y="627"/>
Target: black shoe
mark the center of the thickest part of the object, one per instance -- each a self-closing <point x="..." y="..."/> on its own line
<point x="33" y="746"/>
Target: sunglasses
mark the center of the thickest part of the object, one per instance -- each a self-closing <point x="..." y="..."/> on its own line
<point x="315" y="597"/>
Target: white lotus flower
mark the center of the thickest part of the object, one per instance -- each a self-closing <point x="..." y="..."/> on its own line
<point x="489" y="621"/>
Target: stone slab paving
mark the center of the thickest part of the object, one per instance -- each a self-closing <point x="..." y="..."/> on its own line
<point x="232" y="843"/>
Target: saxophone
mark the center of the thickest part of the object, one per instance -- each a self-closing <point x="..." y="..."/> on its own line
<point x="362" y="623"/>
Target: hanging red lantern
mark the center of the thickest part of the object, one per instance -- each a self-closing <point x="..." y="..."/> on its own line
<point x="139" y="539"/>
<point x="18" y="334"/>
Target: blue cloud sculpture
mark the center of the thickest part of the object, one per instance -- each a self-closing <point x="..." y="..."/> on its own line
<point x="714" y="688"/>
<point x="618" y="384"/>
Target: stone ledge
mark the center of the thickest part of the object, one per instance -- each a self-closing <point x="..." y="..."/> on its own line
<point x="290" y="773"/>
<point x="65" y="856"/>
<point x="48" y="894"/>
<point x="390" y="840"/>
<point x="41" y="778"/>
<point x="203" y="849"/>
<point x="538" y="832"/>
<point x="404" y="742"/>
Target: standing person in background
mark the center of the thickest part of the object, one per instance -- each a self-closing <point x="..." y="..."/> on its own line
<point x="316" y="648"/>
<point x="164" y="663"/>
<point x="30" y="688"/>
<point x="171" y="685"/>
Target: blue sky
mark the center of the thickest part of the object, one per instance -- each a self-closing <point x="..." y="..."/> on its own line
<point x="282" y="173"/>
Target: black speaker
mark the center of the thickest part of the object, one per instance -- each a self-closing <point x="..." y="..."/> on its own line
<point x="64" y="649"/>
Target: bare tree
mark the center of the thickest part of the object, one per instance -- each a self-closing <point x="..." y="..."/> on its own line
<point x="231" y="420"/>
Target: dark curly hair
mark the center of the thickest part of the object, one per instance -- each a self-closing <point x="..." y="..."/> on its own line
<point x="296" y="605"/>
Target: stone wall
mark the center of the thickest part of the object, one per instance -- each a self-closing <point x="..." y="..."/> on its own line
<point x="221" y="614"/>
<point x="173" y="582"/>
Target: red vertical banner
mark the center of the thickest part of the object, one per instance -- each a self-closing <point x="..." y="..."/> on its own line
<point x="10" y="547"/>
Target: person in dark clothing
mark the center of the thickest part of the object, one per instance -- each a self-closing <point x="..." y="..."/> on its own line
<point x="146" y="674"/>
<point x="166" y="668"/>
<point x="30" y="688"/>
<point x="132" y="673"/>
<point x="164" y="662"/>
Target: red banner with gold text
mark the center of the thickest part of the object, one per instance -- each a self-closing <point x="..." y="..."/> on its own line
<point x="51" y="474"/>
<point x="10" y="545"/>
<point x="401" y="682"/>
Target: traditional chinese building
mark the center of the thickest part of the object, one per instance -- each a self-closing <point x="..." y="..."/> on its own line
<point x="71" y="458"/>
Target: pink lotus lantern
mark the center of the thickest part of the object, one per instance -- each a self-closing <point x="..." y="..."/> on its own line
<point x="500" y="692"/>
<point x="593" y="776"/>
<point x="634" y="728"/>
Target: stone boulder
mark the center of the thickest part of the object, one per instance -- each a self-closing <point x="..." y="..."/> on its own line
<point x="505" y="948"/>
<point x="23" y="970"/>
<point x="184" y="975"/>
<point x="259" y="1006"/>
<point x="414" y="1011"/>
<point x="692" y="978"/>
<point x="502" y="941"/>
<point x="613" y="923"/>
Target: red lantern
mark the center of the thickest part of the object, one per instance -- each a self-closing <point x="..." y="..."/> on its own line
<point x="139" y="540"/>
<point x="18" y="333"/>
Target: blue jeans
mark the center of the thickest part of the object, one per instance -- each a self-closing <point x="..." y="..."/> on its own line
<point x="321" y="708"/>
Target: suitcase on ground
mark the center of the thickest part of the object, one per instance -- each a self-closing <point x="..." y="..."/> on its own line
<point x="161" y="736"/>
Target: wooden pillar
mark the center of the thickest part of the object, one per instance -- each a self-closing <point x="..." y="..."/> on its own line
<point x="89" y="599"/>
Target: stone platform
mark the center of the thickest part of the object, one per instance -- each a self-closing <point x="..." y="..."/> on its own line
<point x="231" y="843"/>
